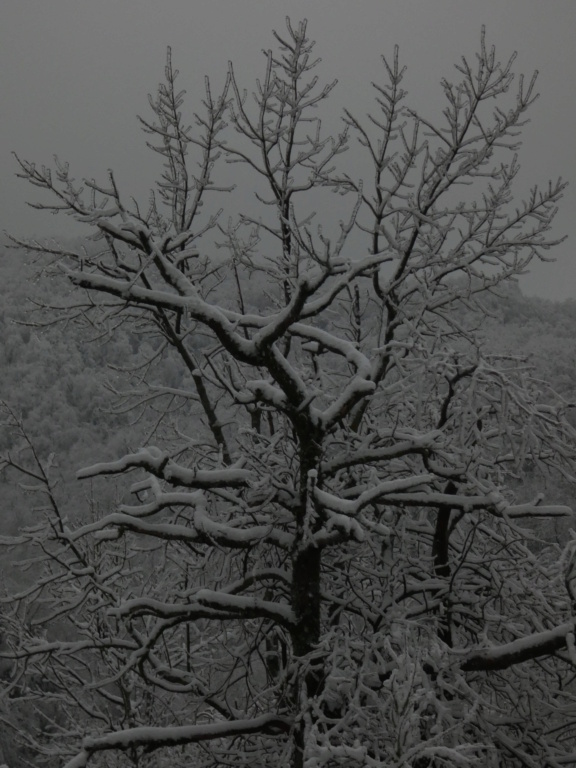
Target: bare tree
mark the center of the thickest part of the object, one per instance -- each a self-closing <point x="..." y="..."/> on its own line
<point x="322" y="563"/>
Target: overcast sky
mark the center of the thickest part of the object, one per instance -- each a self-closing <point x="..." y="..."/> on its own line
<point x="75" y="73"/>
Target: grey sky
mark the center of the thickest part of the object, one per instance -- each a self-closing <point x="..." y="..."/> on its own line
<point x="75" y="73"/>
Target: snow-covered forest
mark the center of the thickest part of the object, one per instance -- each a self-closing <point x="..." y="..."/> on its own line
<point x="286" y="489"/>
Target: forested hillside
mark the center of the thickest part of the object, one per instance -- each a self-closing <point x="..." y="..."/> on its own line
<point x="53" y="380"/>
<point x="541" y="331"/>
<point x="542" y="335"/>
<point x="66" y="383"/>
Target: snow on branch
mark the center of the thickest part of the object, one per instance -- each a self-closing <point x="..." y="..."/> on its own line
<point x="346" y="349"/>
<point x="356" y="390"/>
<point x="199" y="310"/>
<point x="338" y="528"/>
<point x="365" y="455"/>
<point x="204" y="531"/>
<point x="399" y="492"/>
<point x="208" y="604"/>
<point x="155" y="737"/>
<point x="523" y="649"/>
<point x="161" y="465"/>
<point x="535" y="510"/>
<point x="379" y="492"/>
<point x="62" y="647"/>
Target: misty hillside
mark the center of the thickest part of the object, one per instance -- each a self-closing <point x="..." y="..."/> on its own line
<point x="61" y="379"/>
<point x="541" y="330"/>
<point x="64" y="381"/>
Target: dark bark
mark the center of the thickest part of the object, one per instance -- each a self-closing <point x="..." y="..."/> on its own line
<point x="440" y="556"/>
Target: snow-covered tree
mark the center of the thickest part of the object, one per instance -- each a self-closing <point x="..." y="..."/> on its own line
<point x="322" y="562"/>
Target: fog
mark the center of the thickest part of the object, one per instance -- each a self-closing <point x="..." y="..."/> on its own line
<point x="76" y="74"/>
